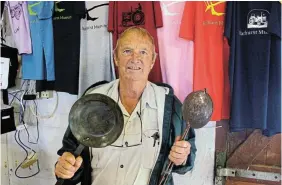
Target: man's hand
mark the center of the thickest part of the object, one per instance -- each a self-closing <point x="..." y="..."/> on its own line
<point x="67" y="165"/>
<point x="179" y="151"/>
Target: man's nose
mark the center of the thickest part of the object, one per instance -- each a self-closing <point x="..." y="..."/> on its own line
<point x="136" y="56"/>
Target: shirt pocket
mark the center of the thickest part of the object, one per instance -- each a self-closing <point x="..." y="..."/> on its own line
<point x="102" y="156"/>
<point x="149" y="147"/>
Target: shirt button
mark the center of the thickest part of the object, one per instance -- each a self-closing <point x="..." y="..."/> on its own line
<point x="126" y="143"/>
<point x="121" y="166"/>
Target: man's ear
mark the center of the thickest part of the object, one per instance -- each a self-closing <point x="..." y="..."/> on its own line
<point x="115" y="59"/>
<point x="154" y="60"/>
<point x="152" y="65"/>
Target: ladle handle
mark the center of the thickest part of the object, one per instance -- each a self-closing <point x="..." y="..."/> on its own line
<point x="165" y="174"/>
<point x="76" y="153"/>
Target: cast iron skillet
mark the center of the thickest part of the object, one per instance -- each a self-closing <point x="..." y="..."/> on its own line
<point x="96" y="121"/>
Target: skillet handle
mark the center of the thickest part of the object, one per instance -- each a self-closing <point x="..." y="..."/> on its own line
<point x="60" y="181"/>
<point x="76" y="153"/>
<point x="78" y="150"/>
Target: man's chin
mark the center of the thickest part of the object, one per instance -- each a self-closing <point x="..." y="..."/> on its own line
<point x="132" y="77"/>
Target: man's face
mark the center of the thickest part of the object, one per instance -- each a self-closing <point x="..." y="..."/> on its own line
<point x="134" y="57"/>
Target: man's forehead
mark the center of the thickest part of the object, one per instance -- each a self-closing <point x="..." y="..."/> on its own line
<point x="135" y="41"/>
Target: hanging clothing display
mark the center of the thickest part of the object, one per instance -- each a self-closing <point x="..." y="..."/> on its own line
<point x="18" y="16"/>
<point x="203" y="23"/>
<point x="254" y="33"/>
<point x="40" y="64"/>
<point x="66" y="28"/>
<point x="176" y="53"/>
<point x="146" y="14"/>
<point x="96" y="62"/>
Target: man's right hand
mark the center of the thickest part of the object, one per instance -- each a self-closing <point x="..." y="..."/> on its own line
<point x="67" y="165"/>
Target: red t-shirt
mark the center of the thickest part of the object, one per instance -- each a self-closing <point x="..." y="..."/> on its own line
<point x="146" y="14"/>
<point x="203" y="23"/>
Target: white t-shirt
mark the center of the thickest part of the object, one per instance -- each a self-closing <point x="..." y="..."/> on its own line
<point x="96" y="61"/>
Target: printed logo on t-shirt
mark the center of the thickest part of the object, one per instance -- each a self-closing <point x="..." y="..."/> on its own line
<point x="91" y="24"/>
<point x="57" y="9"/>
<point x="211" y="6"/>
<point x="88" y="17"/>
<point x="257" y="18"/>
<point x="134" y="17"/>
<point x="16" y="11"/>
<point x="30" y="6"/>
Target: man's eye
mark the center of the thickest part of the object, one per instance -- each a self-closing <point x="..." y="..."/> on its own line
<point x="127" y="51"/>
<point x="143" y="52"/>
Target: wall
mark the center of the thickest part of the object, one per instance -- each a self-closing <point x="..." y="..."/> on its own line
<point x="51" y="132"/>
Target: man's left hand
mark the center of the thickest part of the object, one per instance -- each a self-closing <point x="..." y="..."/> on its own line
<point x="179" y="151"/>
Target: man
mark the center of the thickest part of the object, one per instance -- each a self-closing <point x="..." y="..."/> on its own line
<point x="138" y="156"/>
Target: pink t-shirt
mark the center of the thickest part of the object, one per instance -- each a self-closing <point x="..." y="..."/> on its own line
<point x="176" y="54"/>
<point x="18" y="16"/>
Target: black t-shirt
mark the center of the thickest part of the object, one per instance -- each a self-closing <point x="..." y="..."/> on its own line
<point x="66" y="24"/>
<point x="254" y="33"/>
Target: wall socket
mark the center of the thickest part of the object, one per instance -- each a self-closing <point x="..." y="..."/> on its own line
<point x="44" y="94"/>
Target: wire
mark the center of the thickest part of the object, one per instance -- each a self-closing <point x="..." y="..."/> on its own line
<point x="36" y="127"/>
<point x="22" y="177"/>
<point x="19" y="143"/>
<point x="21" y="120"/>
<point x="47" y="116"/>
<point x="18" y="92"/>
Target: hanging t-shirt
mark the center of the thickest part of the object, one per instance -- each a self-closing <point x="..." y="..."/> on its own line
<point x="176" y="54"/>
<point x="39" y="65"/>
<point x="203" y="23"/>
<point x="254" y="33"/>
<point x="66" y="28"/>
<point x="6" y="31"/>
<point x="18" y="16"/>
<point x="145" y="14"/>
<point x="96" y="62"/>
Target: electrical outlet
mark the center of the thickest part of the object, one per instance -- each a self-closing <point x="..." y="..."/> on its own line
<point x="44" y="94"/>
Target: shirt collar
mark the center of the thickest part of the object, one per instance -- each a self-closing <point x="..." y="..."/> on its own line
<point x="148" y="96"/>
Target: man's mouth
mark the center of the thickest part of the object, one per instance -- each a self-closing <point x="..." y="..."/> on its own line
<point x="134" y="68"/>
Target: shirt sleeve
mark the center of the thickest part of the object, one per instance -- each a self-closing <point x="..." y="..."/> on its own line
<point x="111" y="15"/>
<point x="275" y="19"/>
<point x="187" y="27"/>
<point x="157" y="14"/>
<point x="228" y="21"/>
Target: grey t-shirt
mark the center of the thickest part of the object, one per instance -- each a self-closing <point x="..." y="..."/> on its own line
<point x="96" y="57"/>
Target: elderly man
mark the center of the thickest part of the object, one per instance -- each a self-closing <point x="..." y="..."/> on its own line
<point x="153" y="125"/>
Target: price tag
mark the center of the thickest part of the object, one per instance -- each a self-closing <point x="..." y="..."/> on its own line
<point x="4" y="72"/>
